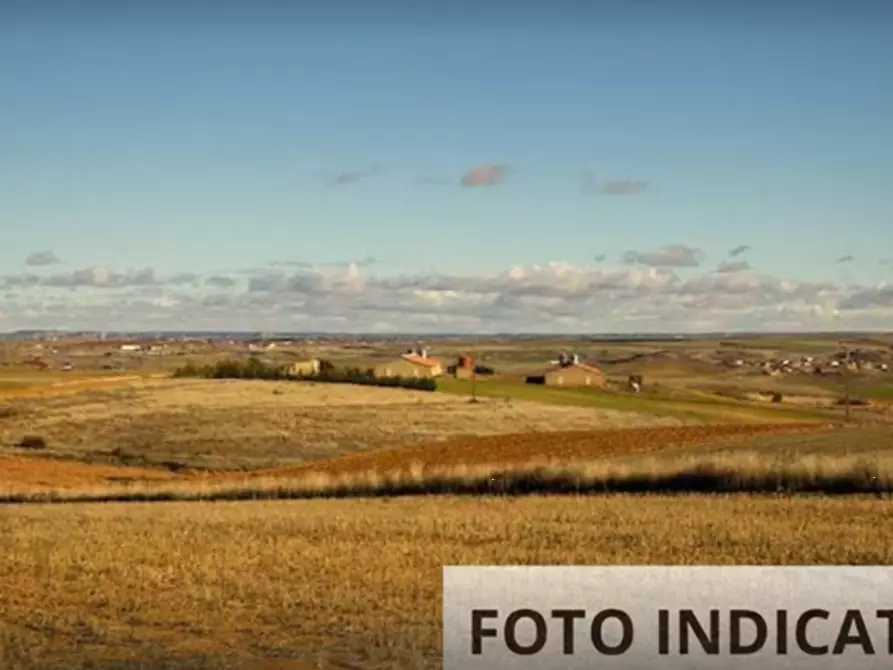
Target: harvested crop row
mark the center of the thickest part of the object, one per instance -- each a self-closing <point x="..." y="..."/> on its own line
<point x="518" y="449"/>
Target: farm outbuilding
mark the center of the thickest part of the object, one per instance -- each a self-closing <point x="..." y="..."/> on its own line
<point x="570" y="371"/>
<point x="310" y="367"/>
<point x="464" y="368"/>
<point x="575" y="374"/>
<point x="414" y="363"/>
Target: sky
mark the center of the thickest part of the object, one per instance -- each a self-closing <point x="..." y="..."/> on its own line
<point x="538" y="169"/>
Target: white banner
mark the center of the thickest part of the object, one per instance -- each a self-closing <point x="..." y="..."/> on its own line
<point x="643" y="617"/>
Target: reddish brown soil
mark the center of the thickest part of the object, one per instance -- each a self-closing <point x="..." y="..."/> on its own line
<point x="24" y="473"/>
<point x="529" y="447"/>
<point x="75" y="385"/>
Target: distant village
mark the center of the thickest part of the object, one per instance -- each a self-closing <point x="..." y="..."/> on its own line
<point x="856" y="361"/>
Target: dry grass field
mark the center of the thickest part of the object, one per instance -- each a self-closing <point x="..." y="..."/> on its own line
<point x="773" y="459"/>
<point x="356" y="583"/>
<point x="233" y="424"/>
<point x="867" y="440"/>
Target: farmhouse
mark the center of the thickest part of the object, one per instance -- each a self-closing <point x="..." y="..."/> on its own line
<point x="575" y="374"/>
<point x="571" y="372"/>
<point x="414" y="363"/>
<point x="310" y="367"/>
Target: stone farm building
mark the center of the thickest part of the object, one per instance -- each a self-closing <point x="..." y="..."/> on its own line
<point x="415" y="363"/>
<point x="310" y="367"/>
<point x="464" y="368"/>
<point x="575" y="374"/>
<point x="571" y="373"/>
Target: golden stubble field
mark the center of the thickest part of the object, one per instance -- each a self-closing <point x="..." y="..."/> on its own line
<point x="453" y="465"/>
<point x="355" y="583"/>
<point x="223" y="423"/>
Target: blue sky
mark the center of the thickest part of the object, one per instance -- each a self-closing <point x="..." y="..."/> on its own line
<point x="132" y="142"/>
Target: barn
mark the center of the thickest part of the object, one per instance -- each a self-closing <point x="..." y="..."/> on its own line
<point x="414" y="363"/>
<point x="570" y="371"/>
<point x="305" y="368"/>
<point x="575" y="374"/>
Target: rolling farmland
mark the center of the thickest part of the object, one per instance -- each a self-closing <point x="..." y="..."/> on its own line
<point x="117" y="575"/>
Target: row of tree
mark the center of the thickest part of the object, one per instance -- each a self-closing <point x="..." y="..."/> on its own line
<point x="254" y="368"/>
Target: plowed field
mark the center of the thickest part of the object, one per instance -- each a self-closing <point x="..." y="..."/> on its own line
<point x="20" y="474"/>
<point x="522" y="448"/>
<point x="24" y="474"/>
<point x="75" y="386"/>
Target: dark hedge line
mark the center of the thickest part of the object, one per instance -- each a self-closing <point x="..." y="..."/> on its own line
<point x="255" y="368"/>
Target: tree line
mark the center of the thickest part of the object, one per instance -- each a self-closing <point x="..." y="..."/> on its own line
<point x="254" y="368"/>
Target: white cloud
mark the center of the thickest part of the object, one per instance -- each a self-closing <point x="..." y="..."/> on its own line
<point x="623" y="187"/>
<point x="613" y="187"/>
<point x="42" y="258"/>
<point x="96" y="276"/>
<point x="672" y="256"/>
<point x="551" y="297"/>
<point x="483" y="175"/>
<point x="728" y="267"/>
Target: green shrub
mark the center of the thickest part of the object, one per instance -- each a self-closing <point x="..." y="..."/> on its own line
<point x="254" y="368"/>
<point x="368" y="378"/>
<point x="190" y="370"/>
<point x="33" y="442"/>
